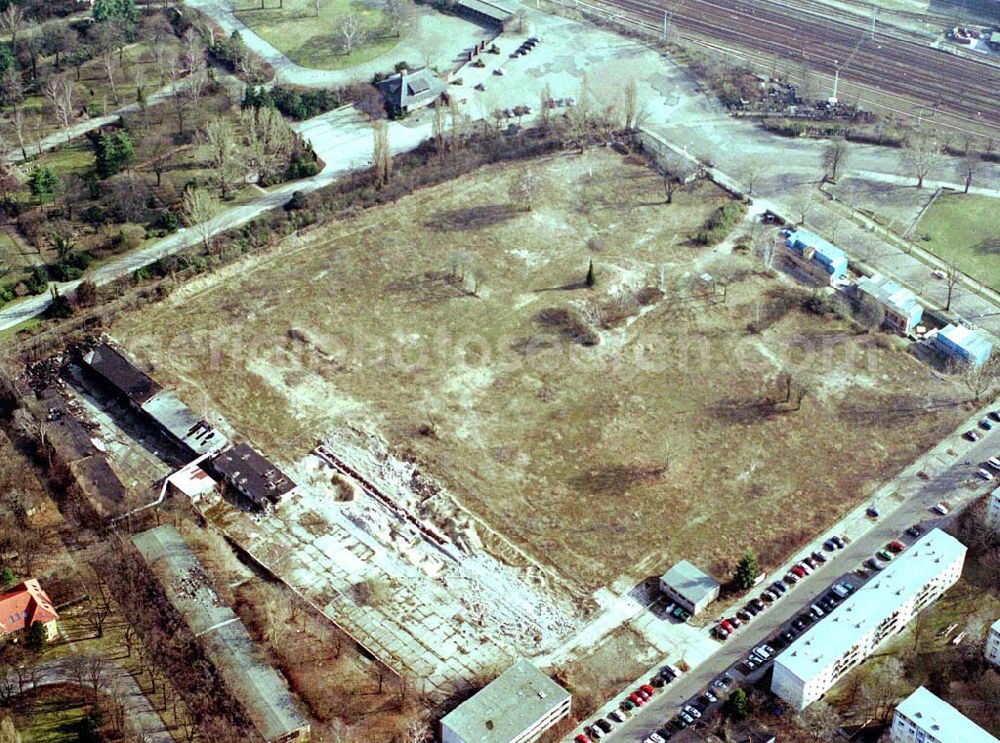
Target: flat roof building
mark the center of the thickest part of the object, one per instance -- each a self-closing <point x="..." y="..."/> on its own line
<point x="815" y="256"/>
<point x="517" y="707"/>
<point x="993" y="510"/>
<point x="963" y="345"/>
<point x="925" y="718"/>
<point x="992" y="651"/>
<point x="179" y="422"/>
<point x="121" y="374"/>
<point x="902" y="310"/>
<point x="258" y="687"/>
<point x="253" y="475"/>
<point x="878" y="610"/>
<point x="487" y="13"/>
<point x="690" y="587"/>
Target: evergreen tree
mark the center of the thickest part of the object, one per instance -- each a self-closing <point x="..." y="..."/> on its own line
<point x="7" y="577"/>
<point x="113" y="154"/>
<point x="110" y="10"/>
<point x="43" y="182"/>
<point x="38" y="635"/>
<point x="591" y="279"/>
<point x="747" y="571"/>
<point x="738" y="706"/>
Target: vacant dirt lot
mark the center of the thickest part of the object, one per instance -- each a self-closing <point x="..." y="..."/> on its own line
<point x="608" y="430"/>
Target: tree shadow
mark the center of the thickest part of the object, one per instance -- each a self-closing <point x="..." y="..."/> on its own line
<point x="429" y="287"/>
<point x="470" y="218"/>
<point x="989" y="246"/>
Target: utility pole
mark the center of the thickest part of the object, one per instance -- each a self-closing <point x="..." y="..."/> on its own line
<point x="874" y="17"/>
<point x="836" y="79"/>
<point x="666" y="24"/>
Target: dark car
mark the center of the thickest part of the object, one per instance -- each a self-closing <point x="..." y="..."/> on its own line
<point x="872" y="511"/>
<point x="995" y="415"/>
<point x="971" y="435"/>
<point x="604" y="725"/>
<point x="779" y="586"/>
<point x="744" y="615"/>
<point x="665" y="733"/>
<point x="799" y="625"/>
<point x="759" y="604"/>
<point x="819" y="557"/>
<point x="787" y="636"/>
<point x="839" y="541"/>
<point x="752" y="609"/>
<point x="915" y="530"/>
<point x="986" y="424"/>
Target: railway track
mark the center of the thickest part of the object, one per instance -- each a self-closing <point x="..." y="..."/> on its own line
<point x="890" y="72"/>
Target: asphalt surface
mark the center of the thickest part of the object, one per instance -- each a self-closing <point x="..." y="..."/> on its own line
<point x="947" y="486"/>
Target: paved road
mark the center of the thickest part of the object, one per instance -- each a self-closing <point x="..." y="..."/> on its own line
<point x="141" y="714"/>
<point x="342" y="139"/>
<point x="948" y="485"/>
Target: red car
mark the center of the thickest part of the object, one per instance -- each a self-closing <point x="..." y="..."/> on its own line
<point x="581" y="738"/>
<point x="727" y="625"/>
<point x="643" y="693"/>
<point x="648" y="689"/>
<point x="896" y="546"/>
<point x="799" y="571"/>
<point x="636" y="699"/>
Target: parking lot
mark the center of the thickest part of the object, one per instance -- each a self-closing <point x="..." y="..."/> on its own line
<point x="926" y="496"/>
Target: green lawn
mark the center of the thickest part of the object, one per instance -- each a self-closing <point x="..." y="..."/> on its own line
<point x="965" y="228"/>
<point x="54" y="717"/>
<point x="73" y="157"/>
<point x="313" y="41"/>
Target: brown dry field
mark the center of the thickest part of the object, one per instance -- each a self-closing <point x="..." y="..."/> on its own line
<point x="613" y="459"/>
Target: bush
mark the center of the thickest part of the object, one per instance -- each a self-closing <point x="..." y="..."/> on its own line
<point x="721" y="223"/>
<point x="298" y="201"/>
<point x="166" y="222"/>
<point x="131" y="236"/>
<point x="71" y="266"/>
<point x="37" y="281"/>
<point x="304" y="103"/>
<point x="145" y="273"/>
<point x="301" y="166"/>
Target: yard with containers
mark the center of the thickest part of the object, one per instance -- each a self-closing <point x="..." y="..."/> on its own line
<point x="551" y="342"/>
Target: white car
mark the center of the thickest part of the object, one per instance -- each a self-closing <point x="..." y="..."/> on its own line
<point x="763" y="651"/>
<point x="940" y="508"/>
<point x="693" y="711"/>
<point x="655" y="738"/>
<point x="994" y="463"/>
<point x="687" y="718"/>
<point x="985" y="474"/>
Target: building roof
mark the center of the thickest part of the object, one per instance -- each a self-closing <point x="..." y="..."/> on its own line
<point x="120" y="373"/>
<point x="412" y="87"/>
<point x="514" y="701"/>
<point x="995" y="627"/>
<point x="180" y="422"/>
<point x="860" y="613"/>
<point x="972" y="342"/>
<point x="23" y="605"/>
<point x="829" y="255"/>
<point x="491" y="10"/>
<point x="192" y="480"/>
<point x="254" y="474"/>
<point x="690" y="582"/>
<point x="259" y="688"/>
<point x="938" y="718"/>
<point x="100" y="483"/>
<point x="891" y="294"/>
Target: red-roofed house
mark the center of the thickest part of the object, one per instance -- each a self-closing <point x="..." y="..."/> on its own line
<point x="22" y="606"/>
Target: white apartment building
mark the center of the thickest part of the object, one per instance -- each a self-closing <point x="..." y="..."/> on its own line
<point x="517" y="707"/>
<point x="993" y="644"/>
<point x="993" y="510"/>
<point x="925" y="718"/>
<point x="875" y="612"/>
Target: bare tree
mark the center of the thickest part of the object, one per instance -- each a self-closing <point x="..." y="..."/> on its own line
<point x="882" y="687"/>
<point x="920" y="154"/>
<point x="819" y="721"/>
<point x="981" y="379"/>
<point x="196" y="83"/>
<point x="99" y="606"/>
<point x="544" y="112"/>
<point x="96" y="666"/>
<point x="952" y="276"/>
<point x="199" y="206"/>
<point x="14" y="20"/>
<point x="192" y="49"/>
<point x="869" y="312"/>
<point x="18" y="121"/>
<point x="630" y="104"/>
<point x="226" y="154"/>
<point x="382" y="154"/>
<point x="400" y="14"/>
<point x="523" y="188"/>
<point x="59" y="91"/>
<point x="968" y="166"/>
<point x="438" y="128"/>
<point x="268" y="140"/>
<point x="834" y="158"/>
<point x="351" y="32"/>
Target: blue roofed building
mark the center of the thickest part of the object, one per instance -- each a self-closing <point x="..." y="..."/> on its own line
<point x="963" y="345"/>
<point x="818" y="258"/>
<point x="902" y="310"/>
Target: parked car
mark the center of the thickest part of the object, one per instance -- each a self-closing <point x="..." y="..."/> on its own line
<point x="874" y="564"/>
<point x="604" y="725"/>
<point x="627" y="706"/>
<point x="655" y="738"/>
<point x="754" y="611"/>
<point x="735" y="621"/>
<point x="582" y="738"/>
<point x="799" y="624"/>
<point x="810" y="562"/>
<point x="658" y="681"/>
<point x="787" y="636"/>
<point x="791" y="579"/>
<point x="895" y="546"/>
<point x="819" y="557"/>
<point x="752" y="662"/>
<point x="829" y="545"/>
<point x="636" y="699"/>
<point x="986" y="424"/>
<point x="687" y="718"/>
<point x="648" y="689"/>
<point x="594" y="732"/>
<point x="941" y="508"/>
<point x="840" y="542"/>
<point x="763" y="651"/>
<point x="985" y="474"/>
<point x="971" y="435"/>
<point x="616" y="716"/>
<point x="744" y="615"/>
<point x="994" y="463"/>
<point x="681" y="614"/>
<point x="995" y="415"/>
<point x="779" y="586"/>
<point x="722" y="683"/>
<point x="644" y="694"/>
<point x="710" y="696"/>
<point x="758" y="603"/>
<point x="799" y="571"/>
<point x="884" y="555"/>
<point x="872" y="511"/>
<point x="665" y="733"/>
<point x="693" y="711"/>
<point x="839" y="590"/>
<point x="915" y="530"/>
<point x="727" y="625"/>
